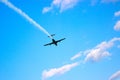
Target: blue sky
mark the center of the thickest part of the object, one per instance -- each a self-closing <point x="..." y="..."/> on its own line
<point x="90" y="51"/>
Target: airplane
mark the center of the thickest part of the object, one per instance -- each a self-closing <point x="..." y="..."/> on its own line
<point x="54" y="41"/>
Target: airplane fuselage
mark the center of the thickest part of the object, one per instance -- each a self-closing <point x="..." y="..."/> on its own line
<point x="55" y="42"/>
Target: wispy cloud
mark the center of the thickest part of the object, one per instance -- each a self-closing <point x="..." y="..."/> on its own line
<point x="76" y="56"/>
<point x="115" y="76"/>
<point x="23" y="14"/>
<point x="46" y="9"/>
<point x="101" y="50"/>
<point x="98" y="52"/>
<point x="117" y="13"/>
<point x="62" y="5"/>
<point x="95" y="54"/>
<point x="117" y="26"/>
<point x="57" y="71"/>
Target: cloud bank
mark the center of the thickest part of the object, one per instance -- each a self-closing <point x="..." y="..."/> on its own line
<point x="62" y="5"/>
<point x="23" y="14"/>
<point x="98" y="52"/>
<point x="115" y="76"/>
<point x="57" y="71"/>
<point x="95" y="54"/>
<point x="101" y="50"/>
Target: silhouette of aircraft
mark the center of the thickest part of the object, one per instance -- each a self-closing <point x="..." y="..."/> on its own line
<point x="54" y="41"/>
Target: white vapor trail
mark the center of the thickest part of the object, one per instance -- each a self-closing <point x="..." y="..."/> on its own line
<point x="19" y="11"/>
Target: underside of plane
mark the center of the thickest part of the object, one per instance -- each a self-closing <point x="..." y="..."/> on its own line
<point x="54" y="41"/>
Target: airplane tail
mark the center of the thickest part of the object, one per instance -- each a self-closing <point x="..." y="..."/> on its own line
<point x="52" y="35"/>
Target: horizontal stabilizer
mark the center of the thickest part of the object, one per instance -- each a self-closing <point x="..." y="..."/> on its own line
<point x="52" y="35"/>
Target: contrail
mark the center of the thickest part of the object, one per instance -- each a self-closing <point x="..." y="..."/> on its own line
<point x="19" y="11"/>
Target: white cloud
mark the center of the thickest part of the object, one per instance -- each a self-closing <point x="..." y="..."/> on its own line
<point x="117" y="26"/>
<point x="62" y="5"/>
<point x="57" y="2"/>
<point x="94" y="54"/>
<point x="115" y="76"/>
<point x="57" y="71"/>
<point x="66" y="4"/>
<point x="117" y="13"/>
<point x="46" y="9"/>
<point x="100" y="51"/>
<point x="76" y="56"/>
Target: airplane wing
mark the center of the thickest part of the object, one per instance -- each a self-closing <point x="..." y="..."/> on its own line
<point x="48" y="44"/>
<point x="60" y="40"/>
